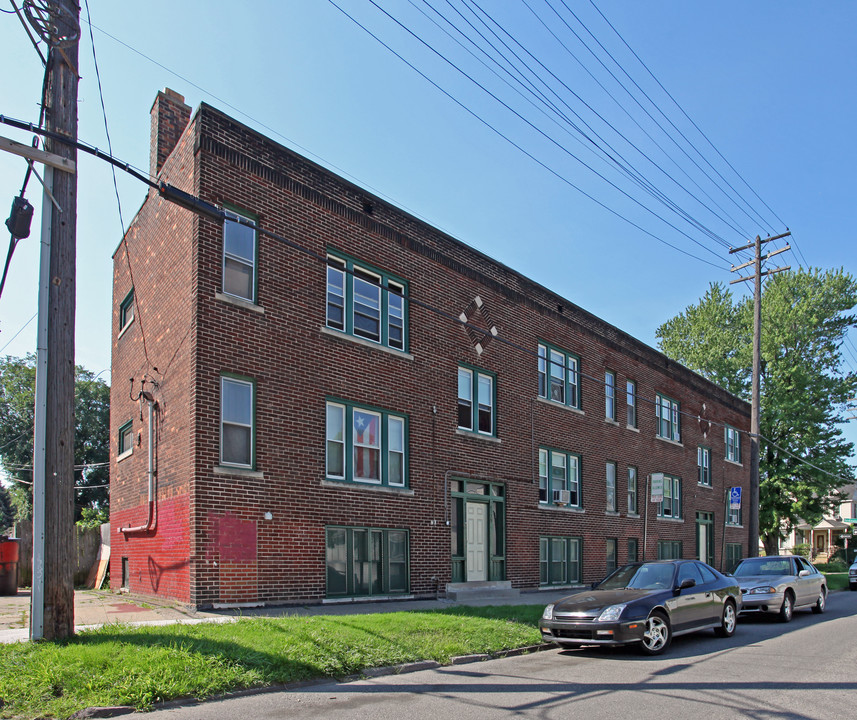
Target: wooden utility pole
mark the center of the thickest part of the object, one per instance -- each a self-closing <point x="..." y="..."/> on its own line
<point x="753" y="523"/>
<point x="57" y="471"/>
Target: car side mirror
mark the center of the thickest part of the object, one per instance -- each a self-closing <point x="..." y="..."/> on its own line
<point x="687" y="583"/>
<point x="803" y="573"/>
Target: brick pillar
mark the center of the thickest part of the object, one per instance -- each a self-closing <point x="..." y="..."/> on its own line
<point x="170" y="116"/>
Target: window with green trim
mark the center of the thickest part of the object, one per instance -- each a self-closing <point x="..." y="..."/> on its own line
<point x="667" y="412"/>
<point x="670" y="506"/>
<point x="669" y="550"/>
<point x="631" y="402"/>
<point x="477" y="394"/>
<point x="610" y="475"/>
<point x="366" y="561"/>
<point x="734" y="555"/>
<point x="239" y="256"/>
<point x="126" y="438"/>
<point x="633" y="549"/>
<point x="559" y="560"/>
<point x="559" y="478"/>
<point x="632" y="490"/>
<point x="126" y="311"/>
<point x="366" y="444"/>
<point x="703" y="465"/>
<point x="237" y="421"/>
<point x="366" y="303"/>
<point x="733" y="444"/>
<point x="611" y="553"/>
<point x="610" y="395"/>
<point x="559" y="376"/>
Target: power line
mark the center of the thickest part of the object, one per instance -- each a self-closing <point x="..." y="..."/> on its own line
<point x="18" y="333"/>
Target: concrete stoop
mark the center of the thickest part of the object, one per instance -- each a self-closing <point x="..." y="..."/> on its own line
<point x="483" y="591"/>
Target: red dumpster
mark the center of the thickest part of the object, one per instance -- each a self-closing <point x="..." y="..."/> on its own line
<point x="8" y="567"/>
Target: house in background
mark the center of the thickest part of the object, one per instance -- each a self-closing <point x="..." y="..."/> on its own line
<point x="349" y="403"/>
<point x="832" y="533"/>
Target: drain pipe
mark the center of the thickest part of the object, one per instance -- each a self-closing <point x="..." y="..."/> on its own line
<point x="151" y="520"/>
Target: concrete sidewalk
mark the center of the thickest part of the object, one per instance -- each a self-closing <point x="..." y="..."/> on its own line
<point x="94" y="608"/>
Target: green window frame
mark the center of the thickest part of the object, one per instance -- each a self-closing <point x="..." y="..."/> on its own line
<point x="669" y="550"/>
<point x="732" y="437"/>
<point x="560" y="560"/>
<point x="462" y="492"/>
<point x="668" y="415"/>
<point x="703" y="465"/>
<point x="365" y="444"/>
<point x="670" y="506"/>
<point x="126" y="311"/>
<point x="366" y="562"/>
<point x="611" y="554"/>
<point x="610" y="395"/>
<point x="237" y="421"/>
<point x="559" y="376"/>
<point x="734" y="555"/>
<point x="240" y="250"/>
<point x="366" y="303"/>
<point x="477" y="401"/>
<point x="558" y="471"/>
<point x="125" y="439"/>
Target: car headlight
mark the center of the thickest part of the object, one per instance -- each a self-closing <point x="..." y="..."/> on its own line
<point x="612" y="613"/>
<point x="548" y="613"/>
<point x="762" y="590"/>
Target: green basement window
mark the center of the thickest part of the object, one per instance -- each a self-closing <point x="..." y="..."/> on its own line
<point x="559" y="376"/>
<point x="559" y="560"/>
<point x="366" y="303"/>
<point x="669" y="550"/>
<point x="239" y="257"/>
<point x="366" y="445"/>
<point x="366" y="561"/>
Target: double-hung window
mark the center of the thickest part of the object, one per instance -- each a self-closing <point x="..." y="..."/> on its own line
<point x="476" y="401"/>
<point x="632" y="490"/>
<point x="366" y="303"/>
<point x="670" y="506"/>
<point x="610" y="395"/>
<point x="733" y="444"/>
<point x="126" y="439"/>
<point x="703" y="464"/>
<point x="668" y="416"/>
<point x="610" y="473"/>
<point x="631" y="402"/>
<point x="559" y="376"/>
<point x="559" y="478"/>
<point x="239" y="257"/>
<point x="237" y="401"/>
<point x="366" y="445"/>
<point x="126" y="311"/>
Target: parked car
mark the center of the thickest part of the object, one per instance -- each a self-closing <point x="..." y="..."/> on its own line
<point x="852" y="575"/>
<point x="647" y="603"/>
<point x="780" y="584"/>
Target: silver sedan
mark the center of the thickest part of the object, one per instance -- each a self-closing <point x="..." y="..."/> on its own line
<point x="780" y="584"/>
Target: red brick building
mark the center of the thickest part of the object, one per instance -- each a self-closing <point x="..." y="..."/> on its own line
<point x="349" y="403"/>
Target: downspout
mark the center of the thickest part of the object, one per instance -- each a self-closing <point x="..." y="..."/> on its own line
<point x="151" y="520"/>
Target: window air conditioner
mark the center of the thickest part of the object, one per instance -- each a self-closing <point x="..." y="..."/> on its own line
<point x="561" y="497"/>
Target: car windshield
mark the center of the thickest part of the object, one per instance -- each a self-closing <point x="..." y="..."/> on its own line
<point x="763" y="566"/>
<point x="648" y="576"/>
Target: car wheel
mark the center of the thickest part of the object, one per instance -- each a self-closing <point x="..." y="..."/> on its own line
<point x="788" y="607"/>
<point x="821" y="602"/>
<point x="728" y="621"/>
<point x="657" y="635"/>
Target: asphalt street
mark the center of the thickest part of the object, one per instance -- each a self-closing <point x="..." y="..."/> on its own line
<point x="804" y="670"/>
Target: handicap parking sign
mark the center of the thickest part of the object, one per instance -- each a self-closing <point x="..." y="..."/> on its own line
<point x="734" y="498"/>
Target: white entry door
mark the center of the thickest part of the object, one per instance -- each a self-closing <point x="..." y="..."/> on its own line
<point x="703" y="539"/>
<point x="477" y="536"/>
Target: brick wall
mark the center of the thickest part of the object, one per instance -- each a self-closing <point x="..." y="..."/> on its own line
<point x="235" y="553"/>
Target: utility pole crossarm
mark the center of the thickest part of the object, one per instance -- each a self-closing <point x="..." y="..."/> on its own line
<point x="58" y="162"/>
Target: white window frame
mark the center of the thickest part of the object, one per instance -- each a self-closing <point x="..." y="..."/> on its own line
<point x="632" y="490"/>
<point x="250" y="387"/>
<point x="251" y="262"/>
<point x="612" y="504"/>
<point x="631" y="401"/>
<point x="610" y="395"/>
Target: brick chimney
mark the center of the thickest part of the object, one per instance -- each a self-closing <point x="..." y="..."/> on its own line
<point x="170" y="116"/>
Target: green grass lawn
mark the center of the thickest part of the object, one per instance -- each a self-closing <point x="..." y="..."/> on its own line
<point x="139" y="666"/>
<point x="837" y="580"/>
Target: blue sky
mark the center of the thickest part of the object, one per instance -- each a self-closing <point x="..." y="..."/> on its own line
<point x="770" y="83"/>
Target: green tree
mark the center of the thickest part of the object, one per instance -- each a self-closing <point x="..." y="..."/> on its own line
<point x="805" y="317"/>
<point x="91" y="440"/>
